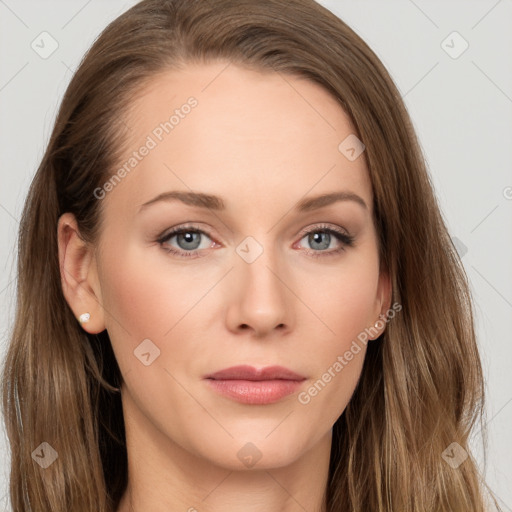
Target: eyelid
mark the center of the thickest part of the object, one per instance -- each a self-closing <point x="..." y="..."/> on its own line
<point x="323" y="227"/>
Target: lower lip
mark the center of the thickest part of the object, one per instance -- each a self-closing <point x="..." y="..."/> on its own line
<point x="255" y="392"/>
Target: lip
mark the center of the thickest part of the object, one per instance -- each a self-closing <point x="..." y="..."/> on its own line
<point x="249" y="385"/>
<point x="246" y="372"/>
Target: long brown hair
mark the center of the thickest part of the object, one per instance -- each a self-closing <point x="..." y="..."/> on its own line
<point x="421" y="387"/>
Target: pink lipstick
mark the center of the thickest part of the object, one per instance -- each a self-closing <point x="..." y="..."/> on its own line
<point x="250" y="385"/>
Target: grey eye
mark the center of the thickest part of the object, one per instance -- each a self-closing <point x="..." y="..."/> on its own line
<point x="188" y="240"/>
<point x="319" y="240"/>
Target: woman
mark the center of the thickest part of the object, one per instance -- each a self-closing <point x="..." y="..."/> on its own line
<point x="236" y="289"/>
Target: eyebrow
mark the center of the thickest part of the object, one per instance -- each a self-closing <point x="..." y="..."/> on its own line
<point x="208" y="201"/>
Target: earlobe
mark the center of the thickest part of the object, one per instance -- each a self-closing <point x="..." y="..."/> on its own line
<point x="79" y="279"/>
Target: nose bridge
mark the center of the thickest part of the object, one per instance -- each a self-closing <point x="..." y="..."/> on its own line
<point x="261" y="299"/>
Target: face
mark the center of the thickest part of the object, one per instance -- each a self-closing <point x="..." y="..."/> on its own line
<point x="259" y="275"/>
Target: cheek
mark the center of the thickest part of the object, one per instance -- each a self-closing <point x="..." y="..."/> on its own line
<point x="328" y="393"/>
<point x="346" y="304"/>
<point x="347" y="307"/>
<point x="345" y="300"/>
<point x="144" y="301"/>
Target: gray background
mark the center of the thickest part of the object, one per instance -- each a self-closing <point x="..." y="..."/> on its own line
<point x="461" y="108"/>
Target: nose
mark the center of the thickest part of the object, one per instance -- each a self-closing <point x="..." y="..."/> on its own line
<point x="259" y="298"/>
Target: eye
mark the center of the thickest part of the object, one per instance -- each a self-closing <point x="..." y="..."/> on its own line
<point x="188" y="240"/>
<point x="321" y="237"/>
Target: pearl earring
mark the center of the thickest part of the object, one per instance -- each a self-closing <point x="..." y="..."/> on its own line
<point x="84" y="317"/>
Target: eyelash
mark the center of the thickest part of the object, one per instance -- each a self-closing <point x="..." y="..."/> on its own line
<point x="344" y="238"/>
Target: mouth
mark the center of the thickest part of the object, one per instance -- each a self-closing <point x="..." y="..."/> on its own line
<point x="249" y="385"/>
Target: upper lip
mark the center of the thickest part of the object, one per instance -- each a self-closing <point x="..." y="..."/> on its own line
<point x="245" y="372"/>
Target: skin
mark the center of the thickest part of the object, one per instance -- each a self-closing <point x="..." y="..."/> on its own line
<point x="262" y="142"/>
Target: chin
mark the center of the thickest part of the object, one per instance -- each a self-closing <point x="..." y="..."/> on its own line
<point x="255" y="452"/>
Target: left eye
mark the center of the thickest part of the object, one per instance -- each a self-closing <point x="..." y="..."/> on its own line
<point x="187" y="239"/>
<point x="321" y="237"/>
<point x="320" y="240"/>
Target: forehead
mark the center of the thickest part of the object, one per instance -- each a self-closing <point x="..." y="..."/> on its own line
<point x="257" y="138"/>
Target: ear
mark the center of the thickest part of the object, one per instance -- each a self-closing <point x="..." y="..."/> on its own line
<point x="78" y="272"/>
<point x="383" y="302"/>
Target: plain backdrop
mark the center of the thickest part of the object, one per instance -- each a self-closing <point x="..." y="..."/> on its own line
<point x="452" y="62"/>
